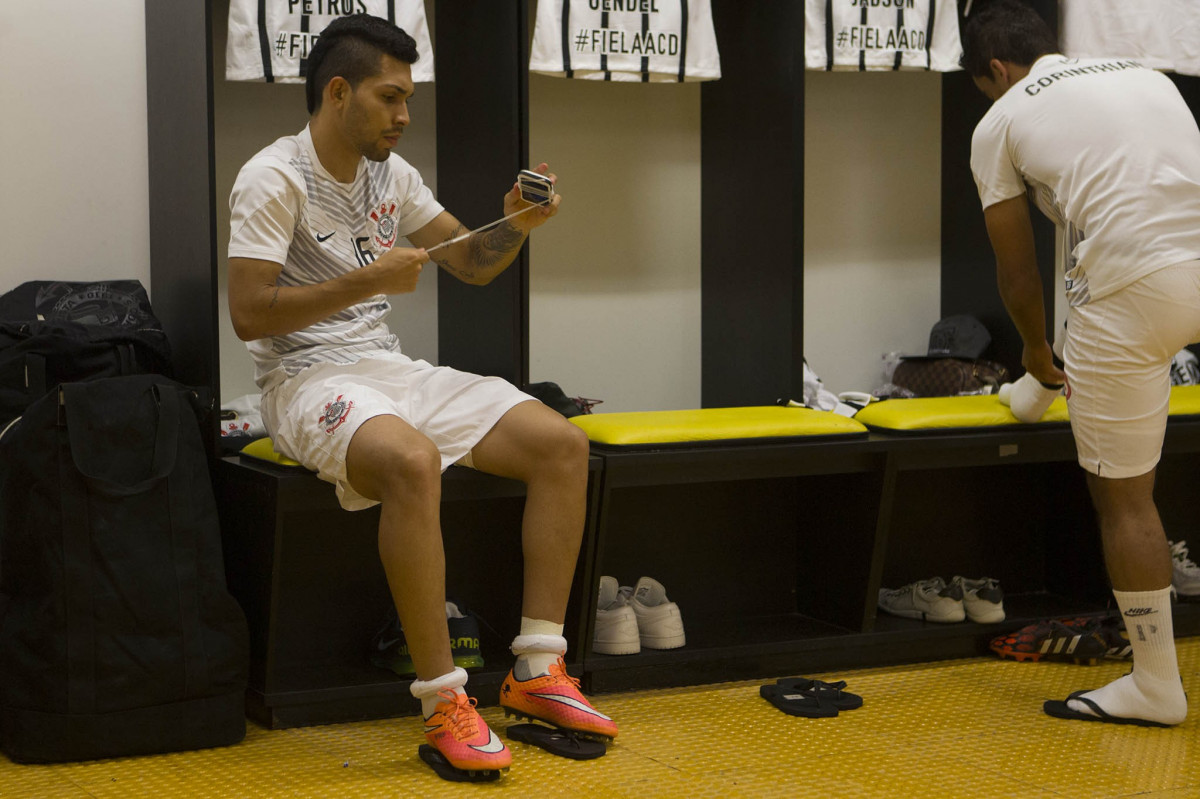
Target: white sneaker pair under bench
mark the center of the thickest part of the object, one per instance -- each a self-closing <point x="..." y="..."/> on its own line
<point x="628" y="619"/>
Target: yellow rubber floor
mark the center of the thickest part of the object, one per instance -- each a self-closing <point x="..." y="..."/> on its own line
<point x="965" y="728"/>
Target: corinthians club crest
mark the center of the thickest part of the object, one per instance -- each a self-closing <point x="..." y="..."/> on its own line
<point x="384" y="218"/>
<point x="335" y="413"/>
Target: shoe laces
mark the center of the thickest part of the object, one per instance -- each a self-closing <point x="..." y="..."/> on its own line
<point x="1179" y="552"/>
<point x="461" y="717"/>
<point x="939" y="587"/>
<point x="558" y="670"/>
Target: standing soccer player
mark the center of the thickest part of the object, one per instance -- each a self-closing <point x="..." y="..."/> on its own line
<point x="1108" y="150"/>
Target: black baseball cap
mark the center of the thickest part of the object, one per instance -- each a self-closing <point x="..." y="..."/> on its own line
<point x="959" y="336"/>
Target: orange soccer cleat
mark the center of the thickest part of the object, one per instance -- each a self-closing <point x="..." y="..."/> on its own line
<point x="463" y="739"/>
<point x="555" y="699"/>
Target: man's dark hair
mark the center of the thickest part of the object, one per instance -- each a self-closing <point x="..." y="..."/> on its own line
<point x="352" y="48"/>
<point x="1007" y="30"/>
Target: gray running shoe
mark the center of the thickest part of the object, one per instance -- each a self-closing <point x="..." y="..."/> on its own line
<point x="928" y="600"/>
<point x="982" y="599"/>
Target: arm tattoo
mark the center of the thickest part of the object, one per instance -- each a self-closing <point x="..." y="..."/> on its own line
<point x="495" y="245"/>
<point x="451" y="268"/>
<point x="447" y="264"/>
<point x="274" y="298"/>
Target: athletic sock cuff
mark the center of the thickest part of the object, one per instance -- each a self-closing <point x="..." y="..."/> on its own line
<point x="532" y="644"/>
<point x="423" y="689"/>
<point x="1128" y="598"/>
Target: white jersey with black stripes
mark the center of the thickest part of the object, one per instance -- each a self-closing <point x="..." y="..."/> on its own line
<point x="287" y="209"/>
<point x="879" y="35"/>
<point x="269" y="40"/>
<point x="626" y="40"/>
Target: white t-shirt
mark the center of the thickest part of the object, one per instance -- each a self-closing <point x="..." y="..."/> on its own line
<point x="287" y="209"/>
<point x="269" y="40"/>
<point x="868" y="35"/>
<point x="626" y="40"/>
<point x="1109" y="151"/>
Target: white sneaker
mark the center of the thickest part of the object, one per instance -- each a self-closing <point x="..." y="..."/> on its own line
<point x="1185" y="574"/>
<point x="983" y="600"/>
<point x="928" y="600"/>
<point x="616" y="625"/>
<point x="660" y="625"/>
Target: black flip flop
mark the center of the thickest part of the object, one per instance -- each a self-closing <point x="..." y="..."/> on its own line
<point x="796" y="703"/>
<point x="438" y="762"/>
<point x="563" y="743"/>
<point x="1060" y="710"/>
<point x="829" y="692"/>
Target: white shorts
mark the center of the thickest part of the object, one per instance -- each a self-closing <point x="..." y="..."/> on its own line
<point x="312" y="416"/>
<point x="1118" y="358"/>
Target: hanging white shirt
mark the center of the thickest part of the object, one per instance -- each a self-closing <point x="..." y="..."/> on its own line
<point x="626" y="40"/>
<point x="1138" y="29"/>
<point x="269" y="40"/>
<point x="1187" y="38"/>
<point x="877" y="35"/>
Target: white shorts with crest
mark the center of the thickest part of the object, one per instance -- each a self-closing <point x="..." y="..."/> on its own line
<point x="313" y="415"/>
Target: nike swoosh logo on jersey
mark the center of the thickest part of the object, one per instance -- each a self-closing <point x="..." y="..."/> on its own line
<point x="493" y="746"/>
<point x="322" y="239"/>
<point x="575" y="703"/>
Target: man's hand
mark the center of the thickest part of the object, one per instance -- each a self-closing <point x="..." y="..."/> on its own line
<point x="1038" y="360"/>
<point x="531" y="219"/>
<point x="397" y="270"/>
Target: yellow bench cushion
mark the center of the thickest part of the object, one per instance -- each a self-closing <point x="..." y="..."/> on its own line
<point x="964" y="413"/>
<point x="643" y="428"/>
<point x="949" y="413"/>
<point x="1185" y="401"/>
<point x="263" y="449"/>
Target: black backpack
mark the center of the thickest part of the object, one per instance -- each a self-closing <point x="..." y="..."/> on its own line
<point x="55" y="332"/>
<point x="117" y="634"/>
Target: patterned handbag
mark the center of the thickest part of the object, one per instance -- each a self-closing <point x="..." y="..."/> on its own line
<point x="949" y="377"/>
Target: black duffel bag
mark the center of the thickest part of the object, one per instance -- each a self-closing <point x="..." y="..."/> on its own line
<point x="55" y="332"/>
<point x="117" y="634"/>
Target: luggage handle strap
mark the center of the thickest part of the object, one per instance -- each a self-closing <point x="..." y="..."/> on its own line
<point x="165" y="442"/>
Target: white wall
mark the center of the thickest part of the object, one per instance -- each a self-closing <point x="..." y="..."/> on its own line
<point x="872" y="226"/>
<point x="615" y="277"/>
<point x="73" y="193"/>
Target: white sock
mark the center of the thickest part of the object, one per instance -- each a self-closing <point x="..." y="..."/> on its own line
<point x="539" y="645"/>
<point x="1028" y="398"/>
<point x="427" y="690"/>
<point x="1152" y="691"/>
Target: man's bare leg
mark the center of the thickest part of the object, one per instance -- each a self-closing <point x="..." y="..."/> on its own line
<point x="389" y="461"/>
<point x="1135" y="545"/>
<point x="537" y="446"/>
